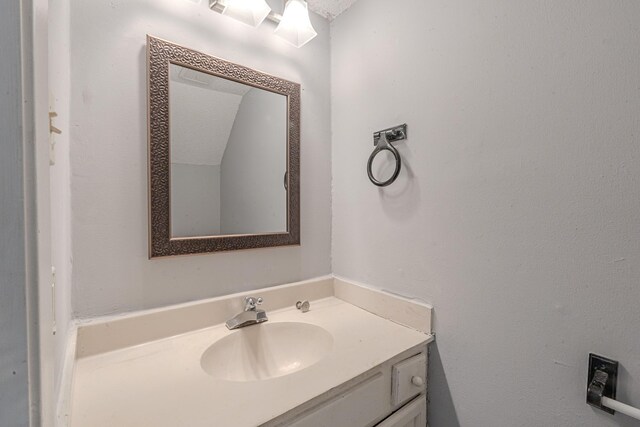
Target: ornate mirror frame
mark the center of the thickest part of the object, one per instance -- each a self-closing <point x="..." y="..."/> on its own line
<point x="160" y="54"/>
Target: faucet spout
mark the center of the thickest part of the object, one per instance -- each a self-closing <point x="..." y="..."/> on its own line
<point x="250" y="316"/>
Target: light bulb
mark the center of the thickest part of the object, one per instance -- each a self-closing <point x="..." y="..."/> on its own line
<point x="295" y="26"/>
<point x="250" y="12"/>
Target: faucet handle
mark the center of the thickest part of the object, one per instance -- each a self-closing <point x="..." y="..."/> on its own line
<point x="303" y="306"/>
<point x="250" y="303"/>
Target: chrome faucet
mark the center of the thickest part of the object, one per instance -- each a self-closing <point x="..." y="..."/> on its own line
<point x="250" y="316"/>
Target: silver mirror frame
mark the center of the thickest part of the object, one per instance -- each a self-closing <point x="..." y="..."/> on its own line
<point x="160" y="54"/>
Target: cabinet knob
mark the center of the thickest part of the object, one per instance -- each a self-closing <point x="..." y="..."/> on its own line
<point x="417" y="381"/>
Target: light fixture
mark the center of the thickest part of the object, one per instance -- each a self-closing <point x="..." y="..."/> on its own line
<point x="250" y="12"/>
<point x="295" y="25"/>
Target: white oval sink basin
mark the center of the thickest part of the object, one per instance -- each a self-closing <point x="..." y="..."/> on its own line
<point x="267" y="350"/>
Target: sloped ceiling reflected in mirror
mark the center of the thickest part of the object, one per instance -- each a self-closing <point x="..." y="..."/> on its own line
<point x="209" y="123"/>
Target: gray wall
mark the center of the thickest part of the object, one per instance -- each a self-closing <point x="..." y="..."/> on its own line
<point x="17" y="282"/>
<point x="518" y="211"/>
<point x="195" y="200"/>
<point x="252" y="190"/>
<point x="111" y="272"/>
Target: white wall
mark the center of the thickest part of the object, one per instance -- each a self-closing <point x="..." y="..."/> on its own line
<point x="518" y="211"/>
<point x="111" y="272"/>
<point x="252" y="195"/>
<point x="59" y="174"/>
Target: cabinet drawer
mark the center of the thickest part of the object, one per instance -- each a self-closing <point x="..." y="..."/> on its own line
<point x="408" y="379"/>
<point x="414" y="414"/>
<point x="360" y="406"/>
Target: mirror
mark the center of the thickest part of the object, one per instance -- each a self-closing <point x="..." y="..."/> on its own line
<point x="223" y="154"/>
<point x="228" y="156"/>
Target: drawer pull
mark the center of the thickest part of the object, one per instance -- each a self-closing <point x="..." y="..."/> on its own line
<point x="417" y="381"/>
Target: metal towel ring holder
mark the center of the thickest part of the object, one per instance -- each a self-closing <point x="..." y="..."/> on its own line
<point x="382" y="141"/>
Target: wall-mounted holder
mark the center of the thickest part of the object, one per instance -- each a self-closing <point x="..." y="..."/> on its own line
<point x="602" y="382"/>
<point x="394" y="134"/>
<point x="383" y="140"/>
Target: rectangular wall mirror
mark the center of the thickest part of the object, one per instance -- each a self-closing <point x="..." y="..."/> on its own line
<point x="223" y="154"/>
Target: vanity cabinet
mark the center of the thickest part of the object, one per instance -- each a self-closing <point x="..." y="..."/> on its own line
<point x="392" y="394"/>
<point x="337" y="365"/>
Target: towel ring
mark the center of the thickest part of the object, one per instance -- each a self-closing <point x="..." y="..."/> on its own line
<point x="384" y="145"/>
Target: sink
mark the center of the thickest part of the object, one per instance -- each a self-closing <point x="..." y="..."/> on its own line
<point x="266" y="350"/>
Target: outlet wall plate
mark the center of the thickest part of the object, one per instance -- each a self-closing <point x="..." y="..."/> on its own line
<point x="601" y="363"/>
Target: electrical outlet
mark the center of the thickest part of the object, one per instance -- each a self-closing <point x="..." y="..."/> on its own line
<point x="610" y="368"/>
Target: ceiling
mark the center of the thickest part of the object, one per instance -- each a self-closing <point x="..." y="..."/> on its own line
<point x="330" y="8"/>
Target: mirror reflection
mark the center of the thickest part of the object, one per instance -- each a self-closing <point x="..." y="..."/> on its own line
<point x="228" y="156"/>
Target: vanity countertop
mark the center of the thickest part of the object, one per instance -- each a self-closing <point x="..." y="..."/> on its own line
<point x="162" y="383"/>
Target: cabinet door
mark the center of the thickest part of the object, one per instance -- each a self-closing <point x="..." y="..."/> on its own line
<point x="413" y="414"/>
<point x="361" y="406"/>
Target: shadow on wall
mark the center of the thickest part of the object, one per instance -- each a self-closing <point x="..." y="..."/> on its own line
<point x="400" y="200"/>
<point x="445" y="416"/>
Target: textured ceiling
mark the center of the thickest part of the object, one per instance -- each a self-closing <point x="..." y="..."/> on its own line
<point x="330" y="8"/>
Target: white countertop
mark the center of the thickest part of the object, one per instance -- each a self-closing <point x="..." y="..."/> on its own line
<point x="162" y="383"/>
